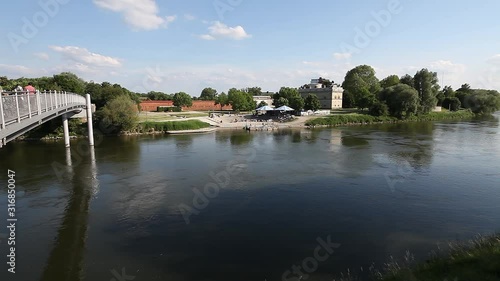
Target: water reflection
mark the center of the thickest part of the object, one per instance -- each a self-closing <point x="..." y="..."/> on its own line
<point x="183" y="142"/>
<point x="65" y="262"/>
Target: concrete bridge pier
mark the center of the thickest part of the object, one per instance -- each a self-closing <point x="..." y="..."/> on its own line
<point x="65" y="129"/>
<point x="89" y="120"/>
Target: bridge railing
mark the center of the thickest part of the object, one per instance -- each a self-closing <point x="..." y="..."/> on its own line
<point x="17" y="106"/>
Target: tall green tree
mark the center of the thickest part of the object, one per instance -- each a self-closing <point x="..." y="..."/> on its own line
<point x="426" y="84"/>
<point x="208" y="94"/>
<point x="361" y="85"/>
<point x="182" y="99"/>
<point x="446" y="92"/>
<point x="289" y="97"/>
<point x="254" y="91"/>
<point x="483" y="102"/>
<point x="389" y="81"/>
<point x="312" y="103"/>
<point x="462" y="92"/>
<point x="70" y="82"/>
<point x="407" y="80"/>
<point x="222" y="100"/>
<point x="241" y="100"/>
<point x="402" y="100"/>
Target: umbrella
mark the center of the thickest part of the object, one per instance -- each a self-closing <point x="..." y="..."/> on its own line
<point x="285" y="108"/>
<point x="265" y="108"/>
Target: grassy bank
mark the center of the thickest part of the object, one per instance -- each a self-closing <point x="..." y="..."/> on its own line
<point x="359" y="119"/>
<point x="479" y="259"/>
<point x="172" y="126"/>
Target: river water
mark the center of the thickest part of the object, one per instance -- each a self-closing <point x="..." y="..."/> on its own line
<point x="233" y="205"/>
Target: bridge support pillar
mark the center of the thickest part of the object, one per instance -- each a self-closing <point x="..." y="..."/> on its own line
<point x="89" y="120"/>
<point x="66" y="129"/>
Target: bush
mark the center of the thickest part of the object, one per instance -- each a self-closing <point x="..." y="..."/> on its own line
<point x="379" y="109"/>
<point x="119" y="114"/>
<point x="452" y="104"/>
<point x="173" y="126"/>
<point x="169" y="109"/>
<point x="338" y="120"/>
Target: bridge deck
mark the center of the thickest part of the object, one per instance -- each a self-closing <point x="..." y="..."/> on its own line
<point x="23" y="111"/>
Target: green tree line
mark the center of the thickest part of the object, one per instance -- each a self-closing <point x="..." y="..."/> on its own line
<point x="405" y="96"/>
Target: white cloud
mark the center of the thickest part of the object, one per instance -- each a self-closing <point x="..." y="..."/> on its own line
<point x="219" y="30"/>
<point x="139" y="14"/>
<point x="189" y="17"/>
<point x="42" y="56"/>
<point x="84" y="56"/>
<point x="170" y="19"/>
<point x="19" y="70"/>
<point x="495" y="59"/>
<point x="207" y="37"/>
<point x="313" y="63"/>
<point x="342" y="56"/>
<point x="447" y="66"/>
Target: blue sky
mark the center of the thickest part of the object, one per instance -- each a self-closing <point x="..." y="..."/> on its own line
<point x="174" y="45"/>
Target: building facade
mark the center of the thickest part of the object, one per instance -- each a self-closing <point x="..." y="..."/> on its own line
<point x="329" y="97"/>
<point x="266" y="99"/>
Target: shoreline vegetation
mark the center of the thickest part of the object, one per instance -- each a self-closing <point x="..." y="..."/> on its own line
<point x="475" y="259"/>
<point x="365" y="119"/>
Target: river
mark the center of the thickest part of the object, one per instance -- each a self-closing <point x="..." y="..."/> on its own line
<point x="234" y="205"/>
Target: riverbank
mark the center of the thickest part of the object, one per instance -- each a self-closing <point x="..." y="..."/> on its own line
<point x="195" y="123"/>
<point x="364" y="119"/>
<point x="478" y="259"/>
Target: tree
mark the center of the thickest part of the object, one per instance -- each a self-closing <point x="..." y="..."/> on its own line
<point x="361" y="85"/>
<point x="447" y="92"/>
<point x="348" y="100"/>
<point x="254" y="91"/>
<point x="281" y="102"/>
<point x="289" y="97"/>
<point x="452" y="103"/>
<point x="407" y="80"/>
<point x="426" y="84"/>
<point x="159" y="96"/>
<point x="389" y="81"/>
<point x="182" y="99"/>
<point x="241" y="100"/>
<point x="483" y="102"/>
<point x="261" y="104"/>
<point x="379" y="109"/>
<point x="325" y="82"/>
<point x="312" y="103"/>
<point x="221" y="100"/>
<point x="119" y="114"/>
<point x="70" y="82"/>
<point x="464" y="91"/>
<point x="402" y="100"/>
<point x="208" y="94"/>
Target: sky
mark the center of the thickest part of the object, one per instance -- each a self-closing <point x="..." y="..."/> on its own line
<point x="187" y="45"/>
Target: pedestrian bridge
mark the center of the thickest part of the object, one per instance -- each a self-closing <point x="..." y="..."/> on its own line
<point x="23" y="111"/>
